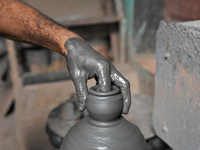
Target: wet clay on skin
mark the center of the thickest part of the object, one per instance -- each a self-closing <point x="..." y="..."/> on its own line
<point x="104" y="128"/>
<point x="84" y="63"/>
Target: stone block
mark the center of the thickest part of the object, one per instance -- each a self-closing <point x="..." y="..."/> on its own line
<point x="176" y="116"/>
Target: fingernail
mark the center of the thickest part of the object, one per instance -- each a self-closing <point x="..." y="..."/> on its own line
<point x="125" y="110"/>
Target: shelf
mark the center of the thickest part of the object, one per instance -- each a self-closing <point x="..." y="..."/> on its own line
<point x="44" y="77"/>
<point x="102" y="20"/>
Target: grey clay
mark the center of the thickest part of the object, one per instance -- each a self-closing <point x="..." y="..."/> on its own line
<point x="104" y="128"/>
<point x="104" y="106"/>
<point x="84" y="63"/>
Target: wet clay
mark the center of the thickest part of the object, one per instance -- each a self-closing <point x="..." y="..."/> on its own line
<point x="104" y="128"/>
<point x="84" y="63"/>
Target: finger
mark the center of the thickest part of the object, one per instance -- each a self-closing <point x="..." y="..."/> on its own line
<point x="95" y="86"/>
<point x="103" y="78"/>
<point x="81" y="91"/>
<point x="124" y="85"/>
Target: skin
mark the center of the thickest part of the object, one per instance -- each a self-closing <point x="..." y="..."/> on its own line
<point x="21" y="22"/>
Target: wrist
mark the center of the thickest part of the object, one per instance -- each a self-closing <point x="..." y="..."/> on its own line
<point x="73" y="44"/>
<point x="64" y="40"/>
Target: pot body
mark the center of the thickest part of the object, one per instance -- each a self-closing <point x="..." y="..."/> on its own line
<point x="104" y="128"/>
<point x="89" y="134"/>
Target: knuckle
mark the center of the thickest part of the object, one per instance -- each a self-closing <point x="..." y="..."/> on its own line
<point x="127" y="102"/>
<point x="103" y="64"/>
<point x="127" y="84"/>
<point x="81" y="96"/>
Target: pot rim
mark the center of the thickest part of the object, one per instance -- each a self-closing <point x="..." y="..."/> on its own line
<point x="114" y="91"/>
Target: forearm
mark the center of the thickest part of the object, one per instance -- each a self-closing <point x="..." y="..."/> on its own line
<point x="20" y="22"/>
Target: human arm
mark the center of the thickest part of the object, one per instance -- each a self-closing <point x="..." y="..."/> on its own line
<point x="21" y="22"/>
<point x="85" y="63"/>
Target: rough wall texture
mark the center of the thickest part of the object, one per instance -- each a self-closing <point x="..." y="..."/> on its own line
<point x="176" y="116"/>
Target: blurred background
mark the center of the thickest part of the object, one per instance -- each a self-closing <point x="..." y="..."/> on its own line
<point x="37" y="101"/>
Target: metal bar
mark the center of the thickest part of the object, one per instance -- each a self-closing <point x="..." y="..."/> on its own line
<point x="129" y="8"/>
<point x="122" y="27"/>
<point x="103" y="20"/>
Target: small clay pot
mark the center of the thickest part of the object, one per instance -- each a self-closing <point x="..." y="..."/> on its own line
<point x="104" y="106"/>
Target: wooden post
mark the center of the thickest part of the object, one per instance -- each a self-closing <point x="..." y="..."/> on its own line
<point x="17" y="91"/>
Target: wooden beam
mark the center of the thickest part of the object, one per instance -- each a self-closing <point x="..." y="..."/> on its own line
<point x="6" y="98"/>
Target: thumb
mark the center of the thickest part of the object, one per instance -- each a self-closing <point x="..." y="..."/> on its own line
<point x="104" y="80"/>
<point x="81" y="91"/>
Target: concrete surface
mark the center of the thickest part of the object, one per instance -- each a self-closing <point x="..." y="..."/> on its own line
<point x="177" y="85"/>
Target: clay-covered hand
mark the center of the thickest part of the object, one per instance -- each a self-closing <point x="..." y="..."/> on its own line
<point x="84" y="63"/>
